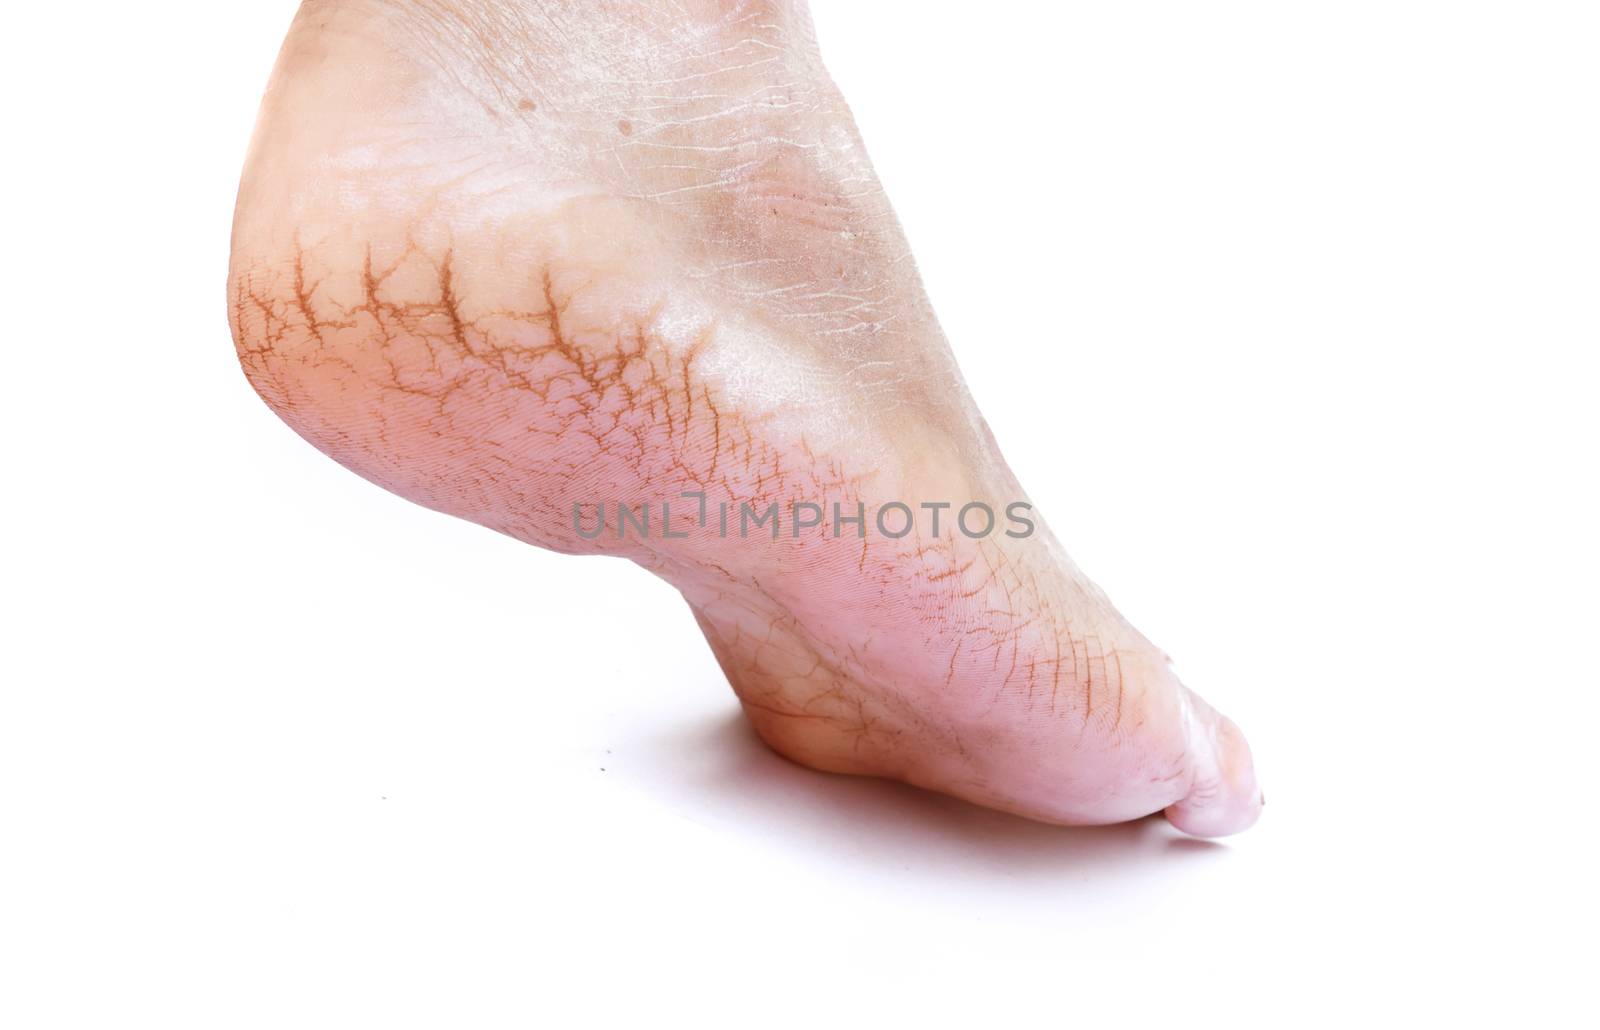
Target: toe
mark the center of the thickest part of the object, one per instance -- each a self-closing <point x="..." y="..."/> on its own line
<point x="1224" y="796"/>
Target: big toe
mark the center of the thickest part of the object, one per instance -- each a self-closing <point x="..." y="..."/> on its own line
<point x="1224" y="796"/>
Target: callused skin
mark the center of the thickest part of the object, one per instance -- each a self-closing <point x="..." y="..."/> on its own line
<point x="520" y="262"/>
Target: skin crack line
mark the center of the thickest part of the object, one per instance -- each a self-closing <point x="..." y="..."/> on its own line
<point x="895" y="520"/>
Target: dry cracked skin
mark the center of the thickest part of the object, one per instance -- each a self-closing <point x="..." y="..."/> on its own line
<point x="524" y="261"/>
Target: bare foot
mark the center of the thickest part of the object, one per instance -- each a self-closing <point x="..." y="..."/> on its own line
<point x="521" y="260"/>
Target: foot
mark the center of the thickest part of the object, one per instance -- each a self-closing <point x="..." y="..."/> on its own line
<point x="526" y="260"/>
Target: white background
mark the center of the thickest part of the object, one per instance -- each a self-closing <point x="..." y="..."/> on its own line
<point x="1286" y="314"/>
